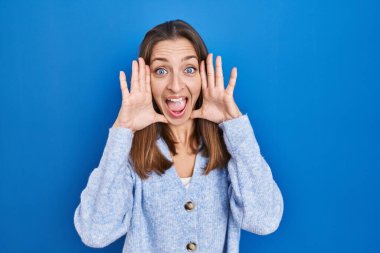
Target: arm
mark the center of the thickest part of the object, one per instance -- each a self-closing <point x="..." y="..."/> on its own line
<point x="105" y="208"/>
<point x="255" y="199"/>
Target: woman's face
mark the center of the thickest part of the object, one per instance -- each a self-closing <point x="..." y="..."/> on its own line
<point x="175" y="75"/>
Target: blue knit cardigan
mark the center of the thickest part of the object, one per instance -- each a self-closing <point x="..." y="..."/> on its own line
<point x="154" y="214"/>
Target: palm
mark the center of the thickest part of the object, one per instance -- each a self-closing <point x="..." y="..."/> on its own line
<point x="137" y="109"/>
<point x="140" y="109"/>
<point x="218" y="104"/>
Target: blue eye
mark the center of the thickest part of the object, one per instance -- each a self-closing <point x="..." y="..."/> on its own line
<point x="191" y="68"/>
<point x="159" y="69"/>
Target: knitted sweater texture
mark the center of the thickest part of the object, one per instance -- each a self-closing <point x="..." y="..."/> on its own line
<point x="154" y="214"/>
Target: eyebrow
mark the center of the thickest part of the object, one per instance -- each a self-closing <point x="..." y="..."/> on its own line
<point x="166" y="60"/>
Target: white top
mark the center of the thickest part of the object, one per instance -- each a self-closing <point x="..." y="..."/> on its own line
<point x="186" y="181"/>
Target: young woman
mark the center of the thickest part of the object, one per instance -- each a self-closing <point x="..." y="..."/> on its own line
<point x="181" y="170"/>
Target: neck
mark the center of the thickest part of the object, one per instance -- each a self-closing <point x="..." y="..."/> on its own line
<point x="183" y="132"/>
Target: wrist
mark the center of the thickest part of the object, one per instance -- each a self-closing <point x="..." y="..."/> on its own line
<point x="119" y="124"/>
<point x="234" y="116"/>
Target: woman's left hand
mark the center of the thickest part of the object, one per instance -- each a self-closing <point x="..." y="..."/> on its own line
<point x="218" y="104"/>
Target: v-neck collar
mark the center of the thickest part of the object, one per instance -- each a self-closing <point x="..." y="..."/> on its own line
<point x="200" y="163"/>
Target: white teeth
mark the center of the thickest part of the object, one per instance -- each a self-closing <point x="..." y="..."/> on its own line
<point x="176" y="99"/>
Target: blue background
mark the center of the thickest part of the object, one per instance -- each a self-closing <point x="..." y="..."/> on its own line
<point x="308" y="77"/>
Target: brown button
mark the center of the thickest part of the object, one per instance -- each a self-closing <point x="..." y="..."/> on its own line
<point x="191" y="246"/>
<point x="189" y="206"/>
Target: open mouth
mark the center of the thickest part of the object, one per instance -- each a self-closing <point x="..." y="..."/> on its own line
<point x="176" y="106"/>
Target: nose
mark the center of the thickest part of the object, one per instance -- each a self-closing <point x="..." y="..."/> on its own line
<point x="175" y="84"/>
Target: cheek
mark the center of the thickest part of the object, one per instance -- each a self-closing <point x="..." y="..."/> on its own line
<point x="195" y="86"/>
<point x="156" y="92"/>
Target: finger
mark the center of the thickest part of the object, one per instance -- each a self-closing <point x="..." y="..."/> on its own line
<point x="147" y="79"/>
<point x="134" y="78"/>
<point x="210" y="71"/>
<point x="141" y="74"/>
<point x="123" y="85"/>
<point x="232" y="82"/>
<point x="160" y="118"/>
<point x="196" y="114"/>
<point x="219" y="73"/>
<point x="203" y="75"/>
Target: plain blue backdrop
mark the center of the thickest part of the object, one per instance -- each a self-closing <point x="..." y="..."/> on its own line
<point x="308" y="77"/>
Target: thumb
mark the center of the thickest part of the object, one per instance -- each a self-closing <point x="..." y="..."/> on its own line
<point x="160" y="118"/>
<point x="196" y="114"/>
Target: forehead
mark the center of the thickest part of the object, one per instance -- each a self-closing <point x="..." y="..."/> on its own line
<point x="173" y="49"/>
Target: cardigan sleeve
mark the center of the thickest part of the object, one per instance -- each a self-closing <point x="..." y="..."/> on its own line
<point x="255" y="199"/>
<point x="105" y="209"/>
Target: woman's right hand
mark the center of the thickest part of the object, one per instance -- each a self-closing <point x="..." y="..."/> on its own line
<point x="137" y="110"/>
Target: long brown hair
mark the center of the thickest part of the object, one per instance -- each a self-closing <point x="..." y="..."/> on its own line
<point x="145" y="154"/>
